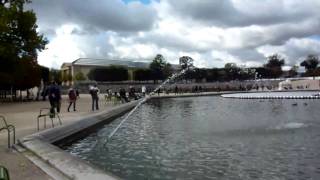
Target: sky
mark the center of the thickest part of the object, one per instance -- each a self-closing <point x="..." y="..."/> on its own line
<point x="212" y="32"/>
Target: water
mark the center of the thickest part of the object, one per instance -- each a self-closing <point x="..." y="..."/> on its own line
<point x="170" y="79"/>
<point x="273" y="94"/>
<point x="211" y="138"/>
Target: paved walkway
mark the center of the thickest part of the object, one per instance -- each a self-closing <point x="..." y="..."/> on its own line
<point x="23" y="116"/>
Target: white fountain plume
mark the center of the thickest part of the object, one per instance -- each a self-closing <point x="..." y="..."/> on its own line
<point x="171" y="78"/>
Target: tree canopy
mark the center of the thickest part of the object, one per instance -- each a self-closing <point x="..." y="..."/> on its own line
<point x="19" y="44"/>
<point x="273" y="66"/>
<point x="185" y="62"/>
<point x="160" y="69"/>
<point x="311" y="62"/>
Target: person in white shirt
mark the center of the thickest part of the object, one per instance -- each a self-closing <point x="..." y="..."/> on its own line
<point x="94" y="91"/>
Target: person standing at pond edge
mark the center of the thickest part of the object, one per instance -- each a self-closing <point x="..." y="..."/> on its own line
<point x="94" y="91"/>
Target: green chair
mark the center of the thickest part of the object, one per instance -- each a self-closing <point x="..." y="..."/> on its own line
<point x="47" y="112"/>
<point x="4" y="173"/>
<point x="4" y="126"/>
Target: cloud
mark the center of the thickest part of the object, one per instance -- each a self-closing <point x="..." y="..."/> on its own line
<point x="213" y="32"/>
<point x="98" y="15"/>
<point x="241" y="13"/>
<point x="295" y="50"/>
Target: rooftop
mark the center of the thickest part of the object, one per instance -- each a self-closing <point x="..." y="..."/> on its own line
<point x="108" y="62"/>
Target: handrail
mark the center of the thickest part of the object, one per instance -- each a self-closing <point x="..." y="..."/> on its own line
<point x="10" y="128"/>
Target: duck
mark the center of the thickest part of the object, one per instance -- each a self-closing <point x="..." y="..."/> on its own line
<point x="294" y="104"/>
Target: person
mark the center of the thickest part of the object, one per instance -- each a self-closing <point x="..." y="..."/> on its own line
<point x="176" y="90"/>
<point x="54" y="98"/>
<point x="94" y="91"/>
<point x="123" y="95"/>
<point x="143" y="90"/>
<point x="132" y="93"/>
<point x="72" y="93"/>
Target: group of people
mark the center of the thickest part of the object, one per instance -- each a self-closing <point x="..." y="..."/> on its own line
<point x="123" y="96"/>
<point x="54" y="94"/>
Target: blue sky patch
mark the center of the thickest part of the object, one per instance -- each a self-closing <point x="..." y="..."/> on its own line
<point x="143" y="1"/>
<point x="316" y="37"/>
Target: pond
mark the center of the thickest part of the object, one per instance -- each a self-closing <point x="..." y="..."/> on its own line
<point x="210" y="138"/>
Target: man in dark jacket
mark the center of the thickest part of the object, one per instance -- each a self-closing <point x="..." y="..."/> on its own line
<point x="54" y="97"/>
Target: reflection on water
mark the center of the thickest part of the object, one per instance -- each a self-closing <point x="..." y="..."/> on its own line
<point x="211" y="138"/>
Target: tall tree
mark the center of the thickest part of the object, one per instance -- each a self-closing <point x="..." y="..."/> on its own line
<point x="159" y="68"/>
<point x="186" y="62"/>
<point x="310" y="64"/>
<point x="274" y="64"/>
<point x="19" y="44"/>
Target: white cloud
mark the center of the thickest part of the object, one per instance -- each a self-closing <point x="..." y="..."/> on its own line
<point x="210" y="31"/>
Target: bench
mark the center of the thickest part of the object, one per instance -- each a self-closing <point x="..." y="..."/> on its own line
<point x="9" y="128"/>
<point x="44" y="113"/>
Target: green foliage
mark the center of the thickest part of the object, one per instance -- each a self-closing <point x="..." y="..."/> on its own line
<point x="185" y="62"/>
<point x="196" y="74"/>
<point x="142" y="75"/>
<point x="45" y="74"/>
<point x="275" y="61"/>
<point x="310" y="64"/>
<point x="19" y="44"/>
<point x="293" y="71"/>
<point x="160" y="69"/>
<point x="79" y="77"/>
<point x="56" y="75"/>
<point x="111" y="73"/>
<point x="274" y="64"/>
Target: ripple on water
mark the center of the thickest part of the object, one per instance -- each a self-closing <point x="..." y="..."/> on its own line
<point x="210" y="138"/>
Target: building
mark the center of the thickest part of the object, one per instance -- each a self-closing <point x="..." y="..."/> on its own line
<point x="84" y="65"/>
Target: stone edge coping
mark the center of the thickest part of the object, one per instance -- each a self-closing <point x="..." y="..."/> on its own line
<point x="40" y="144"/>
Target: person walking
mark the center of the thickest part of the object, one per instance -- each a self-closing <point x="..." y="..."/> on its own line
<point x="54" y="98"/>
<point x="94" y="91"/>
<point x="73" y="95"/>
<point x="143" y="90"/>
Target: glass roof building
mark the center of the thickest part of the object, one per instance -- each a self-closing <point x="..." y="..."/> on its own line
<point x="84" y="65"/>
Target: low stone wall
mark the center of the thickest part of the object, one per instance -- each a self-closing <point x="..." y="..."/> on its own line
<point x="42" y="144"/>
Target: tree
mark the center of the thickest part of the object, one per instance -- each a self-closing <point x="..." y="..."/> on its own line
<point x="274" y="64"/>
<point x="45" y="74"/>
<point x="56" y="75"/>
<point x="185" y="62"/>
<point x="79" y="76"/>
<point x="159" y="68"/>
<point x="142" y="75"/>
<point x="232" y="71"/>
<point x="293" y="71"/>
<point x="19" y="44"/>
<point x="310" y="64"/>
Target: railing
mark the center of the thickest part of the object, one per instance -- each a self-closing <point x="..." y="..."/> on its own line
<point x="10" y="129"/>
